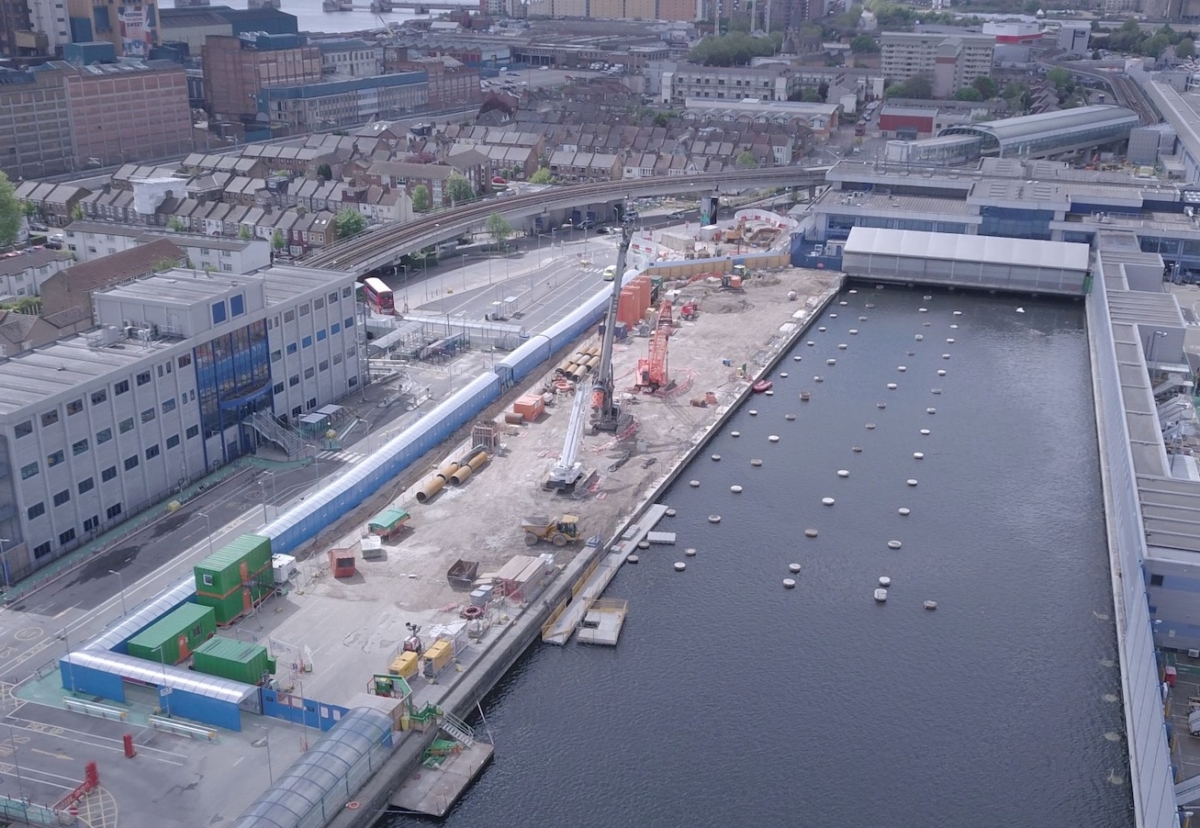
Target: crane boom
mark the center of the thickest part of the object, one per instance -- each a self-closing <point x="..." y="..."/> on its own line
<point x="606" y="413"/>
<point x="567" y="469"/>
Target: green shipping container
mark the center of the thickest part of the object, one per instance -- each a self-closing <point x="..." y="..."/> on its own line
<point x="225" y="571"/>
<point x="232" y="659"/>
<point x="236" y="603"/>
<point x="175" y="636"/>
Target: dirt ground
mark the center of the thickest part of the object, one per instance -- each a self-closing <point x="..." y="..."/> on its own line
<point x="356" y="623"/>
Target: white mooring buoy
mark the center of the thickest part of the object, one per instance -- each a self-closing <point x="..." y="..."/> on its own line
<point x="794" y="568"/>
<point x="894" y="544"/>
<point x="788" y="583"/>
<point x="680" y="566"/>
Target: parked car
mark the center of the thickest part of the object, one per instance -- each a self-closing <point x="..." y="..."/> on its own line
<point x="587" y="224"/>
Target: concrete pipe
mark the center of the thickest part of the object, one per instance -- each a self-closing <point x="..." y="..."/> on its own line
<point x="431" y="488"/>
<point x="447" y="470"/>
<point x="468" y="468"/>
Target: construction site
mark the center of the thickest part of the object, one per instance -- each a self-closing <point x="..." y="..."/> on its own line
<point x="414" y="598"/>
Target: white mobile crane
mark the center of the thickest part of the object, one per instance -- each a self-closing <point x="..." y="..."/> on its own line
<point x="606" y="413"/>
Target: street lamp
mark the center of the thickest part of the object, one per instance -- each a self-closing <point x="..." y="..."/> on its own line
<point x="121" y="581"/>
<point x="1154" y="346"/>
<point x="17" y="763"/>
<point x="267" y="739"/>
<point x="208" y="526"/>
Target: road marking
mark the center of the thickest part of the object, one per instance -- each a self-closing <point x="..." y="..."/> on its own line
<point x="64" y="612"/>
<point x="51" y="753"/>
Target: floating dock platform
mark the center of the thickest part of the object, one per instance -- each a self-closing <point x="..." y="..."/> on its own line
<point x="560" y="630"/>
<point x="603" y="622"/>
<point x="433" y="791"/>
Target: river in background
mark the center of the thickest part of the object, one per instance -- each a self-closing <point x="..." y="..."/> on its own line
<point x="732" y="701"/>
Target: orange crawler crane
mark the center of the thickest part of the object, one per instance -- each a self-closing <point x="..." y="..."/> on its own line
<point x="652" y="369"/>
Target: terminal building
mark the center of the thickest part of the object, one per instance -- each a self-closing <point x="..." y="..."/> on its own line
<point x="179" y="379"/>
<point x="1028" y="199"/>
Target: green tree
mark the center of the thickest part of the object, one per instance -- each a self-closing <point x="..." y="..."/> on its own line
<point x="30" y="209"/>
<point x="917" y="88"/>
<point x="1060" y="77"/>
<point x="1185" y="48"/>
<point x="459" y="189"/>
<point x="420" y="198"/>
<point x="1096" y="55"/>
<point x="278" y="242"/>
<point x="175" y="224"/>
<point x="986" y="86"/>
<point x="498" y="228"/>
<point x="325" y="172"/>
<point x="968" y="93"/>
<point x="244" y="232"/>
<point x="77" y="213"/>
<point x="542" y="176"/>
<point x="349" y="222"/>
<point x="864" y="44"/>
<point x="734" y="49"/>
<point x="10" y="212"/>
<point x="849" y="20"/>
<point x="747" y="160"/>
<point x="164" y="264"/>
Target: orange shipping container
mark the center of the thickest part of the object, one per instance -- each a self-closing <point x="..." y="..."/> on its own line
<point x="644" y="288"/>
<point x="529" y="406"/>
<point x="627" y="309"/>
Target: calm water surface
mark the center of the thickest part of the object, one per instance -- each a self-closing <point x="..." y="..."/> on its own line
<point x="731" y="701"/>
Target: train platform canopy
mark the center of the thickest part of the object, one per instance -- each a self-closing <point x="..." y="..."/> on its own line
<point x="953" y="259"/>
<point x="1050" y="133"/>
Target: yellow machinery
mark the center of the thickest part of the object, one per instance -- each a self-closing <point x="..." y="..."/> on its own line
<point x="560" y="532"/>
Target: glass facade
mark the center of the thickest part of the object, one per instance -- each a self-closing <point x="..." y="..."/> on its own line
<point x="233" y="379"/>
<point x="839" y="226"/>
<point x="1015" y="224"/>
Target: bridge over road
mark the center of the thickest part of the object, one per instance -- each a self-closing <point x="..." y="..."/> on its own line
<point x="386" y="246"/>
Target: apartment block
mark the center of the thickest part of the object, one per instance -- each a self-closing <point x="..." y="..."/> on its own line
<point x="765" y="83"/>
<point x="48" y="18"/>
<point x="93" y="430"/>
<point x="236" y="69"/>
<point x="950" y="62"/>
<point x="685" y="10"/>
<point x="641" y="9"/>
<point x="606" y="9"/>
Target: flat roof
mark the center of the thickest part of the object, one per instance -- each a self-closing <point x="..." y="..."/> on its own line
<point x="32" y="376"/>
<point x="1138" y="307"/>
<point x="862" y="201"/>
<point x="177" y="287"/>
<point x="966" y="248"/>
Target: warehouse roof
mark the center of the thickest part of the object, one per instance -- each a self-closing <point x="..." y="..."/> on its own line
<point x="965" y="248"/>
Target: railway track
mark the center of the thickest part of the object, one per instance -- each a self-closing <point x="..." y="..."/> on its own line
<point x="385" y="246"/>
